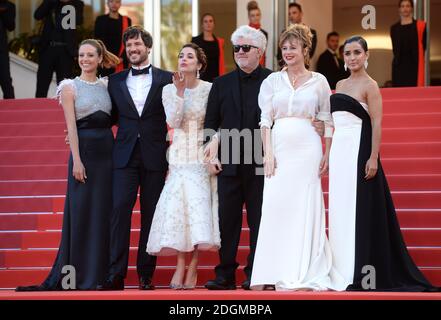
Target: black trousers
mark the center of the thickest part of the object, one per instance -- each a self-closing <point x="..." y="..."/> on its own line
<point x="126" y="182"/>
<point x="235" y="191"/>
<point x="5" y="75"/>
<point x="53" y="59"/>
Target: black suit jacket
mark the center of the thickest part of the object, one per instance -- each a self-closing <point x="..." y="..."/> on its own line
<point x="50" y="12"/>
<point x="151" y="126"/>
<point x="224" y="111"/>
<point x="7" y="23"/>
<point x="326" y="65"/>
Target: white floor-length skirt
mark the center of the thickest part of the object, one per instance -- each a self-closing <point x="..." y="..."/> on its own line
<point x="343" y="162"/>
<point x="293" y="252"/>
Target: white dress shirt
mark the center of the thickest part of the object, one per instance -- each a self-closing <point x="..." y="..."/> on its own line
<point x="139" y="88"/>
<point x="278" y="99"/>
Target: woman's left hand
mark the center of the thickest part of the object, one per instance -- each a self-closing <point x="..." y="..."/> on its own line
<point x="371" y="168"/>
<point x="324" y="165"/>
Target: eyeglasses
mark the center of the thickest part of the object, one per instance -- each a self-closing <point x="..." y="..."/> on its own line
<point x="245" y="48"/>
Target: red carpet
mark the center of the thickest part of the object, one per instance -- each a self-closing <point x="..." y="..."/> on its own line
<point x="203" y="294"/>
<point x="33" y="169"/>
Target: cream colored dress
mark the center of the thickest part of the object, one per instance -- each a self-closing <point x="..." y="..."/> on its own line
<point x="186" y="215"/>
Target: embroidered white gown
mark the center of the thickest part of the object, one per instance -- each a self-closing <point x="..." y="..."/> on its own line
<point x="293" y="251"/>
<point x="187" y="211"/>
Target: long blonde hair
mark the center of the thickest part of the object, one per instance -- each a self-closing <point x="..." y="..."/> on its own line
<point x="109" y="59"/>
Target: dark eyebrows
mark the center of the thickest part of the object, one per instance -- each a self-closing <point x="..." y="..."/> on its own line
<point x="355" y="51"/>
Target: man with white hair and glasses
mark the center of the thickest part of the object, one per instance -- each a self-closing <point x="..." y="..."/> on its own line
<point x="233" y="111"/>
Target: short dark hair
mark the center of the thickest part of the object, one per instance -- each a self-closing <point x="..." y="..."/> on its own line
<point x="332" y="34"/>
<point x="200" y="54"/>
<point x="361" y="41"/>
<point x="294" y="4"/>
<point x="401" y="1"/>
<point x="134" y="32"/>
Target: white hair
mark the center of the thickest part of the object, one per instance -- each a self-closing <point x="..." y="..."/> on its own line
<point x="256" y="36"/>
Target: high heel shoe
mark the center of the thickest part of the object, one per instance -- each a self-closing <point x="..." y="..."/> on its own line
<point x="191" y="286"/>
<point x="176" y="286"/>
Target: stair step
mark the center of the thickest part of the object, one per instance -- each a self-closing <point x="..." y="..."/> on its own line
<point x="423" y="257"/>
<point x="415" y="237"/>
<point x="13" y="278"/>
<point x="53" y="221"/>
<point x="422" y="182"/>
<point x="33" y="161"/>
<point x="408" y="93"/>
<point x="29" y="129"/>
<point x="27" y="204"/>
<point x="421" y="119"/>
<point x="407" y="134"/>
<point x="33" y="143"/>
<point x="29" y="104"/>
<point x="22" y="146"/>
<point x="33" y="172"/>
<point x="32" y="116"/>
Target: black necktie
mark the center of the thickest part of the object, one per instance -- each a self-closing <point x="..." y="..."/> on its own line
<point x="137" y="72"/>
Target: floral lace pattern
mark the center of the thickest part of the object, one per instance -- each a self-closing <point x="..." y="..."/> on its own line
<point x="186" y="215"/>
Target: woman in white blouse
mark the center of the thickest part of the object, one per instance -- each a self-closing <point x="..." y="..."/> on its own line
<point x="292" y="248"/>
<point x="186" y="216"/>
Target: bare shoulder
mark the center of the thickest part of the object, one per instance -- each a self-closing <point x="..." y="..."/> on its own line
<point x="372" y="84"/>
<point x="340" y="84"/>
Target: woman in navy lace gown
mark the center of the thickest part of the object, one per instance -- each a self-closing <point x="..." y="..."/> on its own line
<point x="84" y="241"/>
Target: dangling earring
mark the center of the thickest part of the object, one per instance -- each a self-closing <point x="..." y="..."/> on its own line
<point x="198" y="75"/>
<point x="366" y="64"/>
<point x="346" y="67"/>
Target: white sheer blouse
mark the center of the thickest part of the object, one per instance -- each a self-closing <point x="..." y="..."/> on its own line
<point x="278" y="99"/>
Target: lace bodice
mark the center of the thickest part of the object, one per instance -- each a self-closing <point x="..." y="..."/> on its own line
<point x="186" y="115"/>
<point x="90" y="97"/>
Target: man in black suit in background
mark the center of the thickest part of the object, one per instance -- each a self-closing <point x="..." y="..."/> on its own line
<point x="232" y="104"/>
<point x="139" y="156"/>
<point x="295" y="15"/>
<point x="57" y="45"/>
<point x="7" y="23"/>
<point x="329" y="64"/>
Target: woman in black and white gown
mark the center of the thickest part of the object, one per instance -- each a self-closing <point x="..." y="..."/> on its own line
<point x="364" y="231"/>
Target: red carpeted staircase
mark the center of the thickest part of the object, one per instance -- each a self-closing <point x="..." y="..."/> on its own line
<point x="33" y="170"/>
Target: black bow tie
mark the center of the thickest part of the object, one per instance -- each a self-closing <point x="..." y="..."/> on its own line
<point x="137" y="72"/>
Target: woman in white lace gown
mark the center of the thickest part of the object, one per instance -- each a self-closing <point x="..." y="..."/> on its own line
<point x="186" y="216"/>
<point x="293" y="252"/>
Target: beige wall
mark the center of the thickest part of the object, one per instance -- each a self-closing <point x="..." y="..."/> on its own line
<point x="347" y="21"/>
<point x="24" y="78"/>
<point x="318" y="15"/>
<point x="348" y="17"/>
<point x="224" y="12"/>
<point x="267" y="8"/>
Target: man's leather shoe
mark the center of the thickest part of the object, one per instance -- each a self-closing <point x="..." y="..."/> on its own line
<point x="220" y="284"/>
<point x="114" y="283"/>
<point x="246" y="284"/>
<point x="146" y="284"/>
